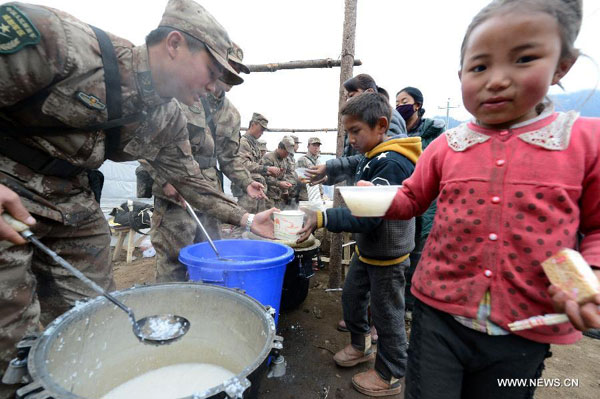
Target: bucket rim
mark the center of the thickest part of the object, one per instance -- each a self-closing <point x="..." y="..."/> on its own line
<point x="209" y="262"/>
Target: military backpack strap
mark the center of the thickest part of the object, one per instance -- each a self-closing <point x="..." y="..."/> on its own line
<point x="112" y="83"/>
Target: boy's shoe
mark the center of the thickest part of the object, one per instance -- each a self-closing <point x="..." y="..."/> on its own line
<point x="592" y="333"/>
<point x="371" y="384"/>
<point x="350" y="356"/>
<point x="374" y="336"/>
<point x="341" y="326"/>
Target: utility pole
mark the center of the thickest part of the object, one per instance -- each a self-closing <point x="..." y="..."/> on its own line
<point x="335" y="256"/>
<point x="447" y="108"/>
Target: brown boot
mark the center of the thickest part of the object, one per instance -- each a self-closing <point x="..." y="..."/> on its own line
<point x="350" y="356"/>
<point x="371" y="384"/>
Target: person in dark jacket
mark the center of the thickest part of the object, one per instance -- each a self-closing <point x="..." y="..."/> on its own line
<point x="409" y="104"/>
<point x="383" y="248"/>
<point x="365" y="83"/>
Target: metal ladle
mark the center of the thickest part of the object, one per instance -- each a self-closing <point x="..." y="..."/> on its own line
<point x="157" y="330"/>
<point x="190" y="210"/>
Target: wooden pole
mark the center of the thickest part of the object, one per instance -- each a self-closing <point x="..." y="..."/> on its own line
<point x="335" y="260"/>
<point x="301" y="64"/>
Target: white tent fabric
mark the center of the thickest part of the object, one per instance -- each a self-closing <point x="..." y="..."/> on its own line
<point x="119" y="184"/>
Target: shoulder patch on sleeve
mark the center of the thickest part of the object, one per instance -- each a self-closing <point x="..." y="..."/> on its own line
<point x="16" y="30"/>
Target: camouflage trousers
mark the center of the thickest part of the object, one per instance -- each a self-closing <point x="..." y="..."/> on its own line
<point x="172" y="229"/>
<point x="33" y="288"/>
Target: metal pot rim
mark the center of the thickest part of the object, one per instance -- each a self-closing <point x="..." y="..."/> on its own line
<point x="39" y="350"/>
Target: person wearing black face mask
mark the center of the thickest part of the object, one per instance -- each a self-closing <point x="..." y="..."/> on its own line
<point x="409" y="104"/>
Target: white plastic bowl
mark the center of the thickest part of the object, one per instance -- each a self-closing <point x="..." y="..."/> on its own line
<point x="368" y="201"/>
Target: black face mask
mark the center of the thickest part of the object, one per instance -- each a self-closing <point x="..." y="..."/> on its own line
<point x="406" y="111"/>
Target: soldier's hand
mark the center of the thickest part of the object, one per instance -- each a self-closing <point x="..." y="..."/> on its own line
<point x="172" y="193"/>
<point x="317" y="174"/>
<point x="256" y="190"/>
<point x="310" y="224"/>
<point x="263" y="224"/>
<point x="284" y="185"/>
<point x="11" y="203"/>
<point x="274" y="171"/>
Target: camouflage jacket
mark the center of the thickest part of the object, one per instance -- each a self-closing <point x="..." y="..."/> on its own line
<point x="206" y="154"/>
<point x="250" y="159"/>
<point x="54" y="81"/>
<point x="274" y="192"/>
<point x="307" y="161"/>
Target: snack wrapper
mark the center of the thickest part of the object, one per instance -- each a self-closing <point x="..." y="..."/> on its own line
<point x="570" y="272"/>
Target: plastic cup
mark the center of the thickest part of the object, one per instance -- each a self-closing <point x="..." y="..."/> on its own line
<point x="287" y="224"/>
<point x="368" y="201"/>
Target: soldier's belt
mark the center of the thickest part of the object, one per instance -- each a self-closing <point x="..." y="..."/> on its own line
<point x="37" y="160"/>
<point x="206" y="162"/>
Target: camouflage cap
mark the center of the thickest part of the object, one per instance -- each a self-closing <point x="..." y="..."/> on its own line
<point x="262" y="144"/>
<point x="314" y="140"/>
<point x="261" y="120"/>
<point x="190" y="17"/>
<point x="296" y="139"/>
<point x="288" y="143"/>
<point x="235" y="57"/>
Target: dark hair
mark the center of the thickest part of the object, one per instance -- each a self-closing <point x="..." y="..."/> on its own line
<point x="362" y="82"/>
<point x="568" y="14"/>
<point x="160" y="33"/>
<point x="368" y="107"/>
<point x="383" y="92"/>
<point x="416" y="95"/>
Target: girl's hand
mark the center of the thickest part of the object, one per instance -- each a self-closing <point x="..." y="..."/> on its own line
<point x="363" y="183"/>
<point x="583" y="316"/>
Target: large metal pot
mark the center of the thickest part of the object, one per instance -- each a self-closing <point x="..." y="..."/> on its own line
<point x="91" y="349"/>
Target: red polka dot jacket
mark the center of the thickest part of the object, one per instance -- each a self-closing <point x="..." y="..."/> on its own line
<point x="507" y="201"/>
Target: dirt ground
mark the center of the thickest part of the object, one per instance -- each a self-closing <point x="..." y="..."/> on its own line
<point x="311" y="339"/>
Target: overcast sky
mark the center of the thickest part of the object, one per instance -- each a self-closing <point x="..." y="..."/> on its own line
<point x="401" y="43"/>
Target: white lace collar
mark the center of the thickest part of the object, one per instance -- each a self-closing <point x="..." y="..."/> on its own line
<point x="554" y="136"/>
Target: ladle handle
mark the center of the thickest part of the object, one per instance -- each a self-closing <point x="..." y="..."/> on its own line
<point x="190" y="210"/>
<point x="23" y="229"/>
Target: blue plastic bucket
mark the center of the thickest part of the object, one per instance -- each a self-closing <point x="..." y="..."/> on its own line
<point x="258" y="267"/>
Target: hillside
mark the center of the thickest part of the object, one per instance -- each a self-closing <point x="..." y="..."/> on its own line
<point x="587" y="102"/>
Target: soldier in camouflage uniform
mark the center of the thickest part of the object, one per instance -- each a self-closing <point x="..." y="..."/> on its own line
<point x="172" y="227"/>
<point x="290" y="172"/>
<point x="249" y="154"/>
<point x="277" y="186"/>
<point x="262" y="144"/>
<point x="307" y="161"/>
<point x="54" y="111"/>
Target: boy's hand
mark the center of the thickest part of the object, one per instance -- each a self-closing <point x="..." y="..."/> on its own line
<point x="364" y="183"/>
<point x="582" y="316"/>
<point x="310" y="224"/>
<point x="317" y="174"/>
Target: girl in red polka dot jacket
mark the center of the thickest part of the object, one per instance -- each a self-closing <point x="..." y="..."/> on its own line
<point x="515" y="186"/>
